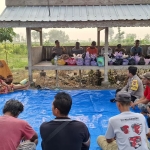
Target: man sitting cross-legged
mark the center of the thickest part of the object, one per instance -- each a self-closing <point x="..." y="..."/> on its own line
<point x="62" y="133"/>
<point x="14" y="130"/>
<point x="134" y="85"/>
<point x="126" y="131"/>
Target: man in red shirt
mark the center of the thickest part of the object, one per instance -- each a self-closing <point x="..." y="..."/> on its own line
<point x="92" y="49"/>
<point x="14" y="130"/>
<point x="142" y="102"/>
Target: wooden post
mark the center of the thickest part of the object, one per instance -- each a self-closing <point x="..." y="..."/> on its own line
<point x="56" y="71"/>
<point x="98" y="37"/>
<point x="28" y="35"/>
<point x="106" y="55"/>
<point x="41" y="38"/>
<point x="80" y="78"/>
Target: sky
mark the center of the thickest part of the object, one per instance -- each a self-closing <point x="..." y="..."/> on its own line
<point x="87" y="33"/>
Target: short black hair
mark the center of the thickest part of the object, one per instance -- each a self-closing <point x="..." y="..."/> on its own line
<point x="132" y="70"/>
<point x="63" y="102"/>
<point x="77" y="43"/>
<point x="137" y="41"/>
<point x="56" y="41"/>
<point x="14" y="107"/>
<point x="94" y="43"/>
<point x="123" y="103"/>
<point x="119" y="45"/>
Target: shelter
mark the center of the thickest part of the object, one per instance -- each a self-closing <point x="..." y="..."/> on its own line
<point x="102" y="14"/>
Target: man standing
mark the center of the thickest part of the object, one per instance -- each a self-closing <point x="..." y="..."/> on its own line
<point x="136" y="50"/>
<point x="128" y="128"/>
<point x="14" y="130"/>
<point x="62" y="133"/>
<point x="134" y="85"/>
<point x="77" y="49"/>
<point x="144" y="100"/>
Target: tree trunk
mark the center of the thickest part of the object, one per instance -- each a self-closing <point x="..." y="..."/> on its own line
<point x="6" y="53"/>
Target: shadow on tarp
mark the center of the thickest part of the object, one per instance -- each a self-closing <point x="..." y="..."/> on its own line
<point x="89" y="106"/>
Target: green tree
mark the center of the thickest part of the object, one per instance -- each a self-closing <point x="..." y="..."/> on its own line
<point x="130" y="38"/>
<point x="17" y="38"/>
<point x="146" y="39"/>
<point x="6" y="34"/>
<point x="120" y="35"/>
<point x="58" y="35"/>
<point x="35" y="36"/>
<point x="111" y="33"/>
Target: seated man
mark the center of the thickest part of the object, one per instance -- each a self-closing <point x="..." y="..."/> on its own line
<point x="148" y="53"/>
<point x="120" y="49"/>
<point x="92" y="49"/>
<point x="144" y="100"/>
<point x="109" y="51"/>
<point x="57" y="50"/>
<point x="136" y="50"/>
<point x="134" y="85"/>
<point x="62" y="133"/>
<point x="77" y="49"/>
<point x="126" y="131"/>
<point x="14" y="130"/>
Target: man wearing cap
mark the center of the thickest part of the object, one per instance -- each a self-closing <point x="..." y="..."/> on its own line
<point x="134" y="85"/>
<point x="126" y="131"/>
<point x="143" y="102"/>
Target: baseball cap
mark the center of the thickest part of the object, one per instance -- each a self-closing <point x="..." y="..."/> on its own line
<point x="123" y="96"/>
<point x="146" y="75"/>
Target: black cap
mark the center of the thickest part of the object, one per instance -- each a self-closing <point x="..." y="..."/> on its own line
<point x="123" y="96"/>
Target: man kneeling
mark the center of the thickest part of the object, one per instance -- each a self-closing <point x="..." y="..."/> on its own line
<point x="126" y="131"/>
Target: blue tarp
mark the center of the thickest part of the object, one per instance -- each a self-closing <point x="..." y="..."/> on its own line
<point x="89" y="106"/>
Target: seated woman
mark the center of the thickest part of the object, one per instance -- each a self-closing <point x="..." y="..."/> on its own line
<point x="4" y="88"/>
<point x="6" y="85"/>
<point x="4" y="69"/>
<point x="9" y="81"/>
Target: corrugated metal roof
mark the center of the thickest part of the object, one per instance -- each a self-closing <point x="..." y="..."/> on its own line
<point x="76" y="13"/>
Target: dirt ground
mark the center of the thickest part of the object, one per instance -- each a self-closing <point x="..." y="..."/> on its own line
<point x="71" y="80"/>
<point x="66" y="80"/>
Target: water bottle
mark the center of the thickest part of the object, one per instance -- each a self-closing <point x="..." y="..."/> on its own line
<point x="55" y="60"/>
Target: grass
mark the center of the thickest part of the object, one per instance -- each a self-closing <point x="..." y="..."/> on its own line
<point x="15" y="61"/>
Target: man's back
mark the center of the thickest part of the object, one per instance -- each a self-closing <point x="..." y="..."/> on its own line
<point x="70" y="137"/>
<point x="12" y="131"/>
<point x="130" y="130"/>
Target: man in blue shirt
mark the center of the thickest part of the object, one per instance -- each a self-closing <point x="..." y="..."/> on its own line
<point x="136" y="50"/>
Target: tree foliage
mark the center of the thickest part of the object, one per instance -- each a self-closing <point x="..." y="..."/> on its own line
<point x="35" y="36"/>
<point x="120" y="35"/>
<point x="6" y="34"/>
<point x="58" y="35"/>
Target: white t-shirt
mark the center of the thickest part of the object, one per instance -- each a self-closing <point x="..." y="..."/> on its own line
<point x="130" y="130"/>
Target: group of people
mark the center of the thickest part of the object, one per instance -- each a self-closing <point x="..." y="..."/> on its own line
<point x="135" y="50"/>
<point x="126" y="131"/>
<point x="130" y="130"/>
<point x="62" y="133"/>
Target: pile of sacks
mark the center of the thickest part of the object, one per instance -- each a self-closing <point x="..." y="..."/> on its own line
<point x="119" y="59"/>
<point x="80" y="60"/>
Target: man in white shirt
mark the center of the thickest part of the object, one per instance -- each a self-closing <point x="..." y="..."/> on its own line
<point x="126" y="131"/>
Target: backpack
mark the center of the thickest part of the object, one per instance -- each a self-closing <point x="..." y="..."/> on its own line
<point x="132" y="61"/>
<point x="141" y="61"/>
<point x="118" y="62"/>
